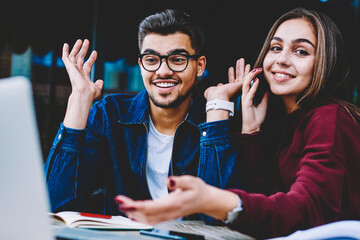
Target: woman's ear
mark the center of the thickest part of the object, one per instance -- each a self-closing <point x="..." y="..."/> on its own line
<point x="201" y="65"/>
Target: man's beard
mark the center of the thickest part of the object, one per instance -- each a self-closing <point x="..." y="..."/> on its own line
<point x="175" y="103"/>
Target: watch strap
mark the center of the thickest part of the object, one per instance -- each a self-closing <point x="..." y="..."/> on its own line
<point x="220" y="104"/>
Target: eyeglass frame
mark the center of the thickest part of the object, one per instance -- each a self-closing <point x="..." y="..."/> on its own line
<point x="166" y="57"/>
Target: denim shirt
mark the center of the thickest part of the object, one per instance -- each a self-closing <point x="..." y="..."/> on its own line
<point x="87" y="168"/>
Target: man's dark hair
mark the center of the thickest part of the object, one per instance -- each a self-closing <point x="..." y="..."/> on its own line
<point x="171" y="21"/>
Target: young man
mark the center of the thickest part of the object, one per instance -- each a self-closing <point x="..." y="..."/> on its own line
<point x="129" y="145"/>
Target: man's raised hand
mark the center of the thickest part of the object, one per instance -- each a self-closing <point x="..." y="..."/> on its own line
<point x="84" y="90"/>
<point x="79" y="71"/>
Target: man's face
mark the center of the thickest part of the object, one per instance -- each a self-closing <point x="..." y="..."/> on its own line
<point x="166" y="88"/>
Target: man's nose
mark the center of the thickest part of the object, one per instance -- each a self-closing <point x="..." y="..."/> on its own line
<point x="164" y="68"/>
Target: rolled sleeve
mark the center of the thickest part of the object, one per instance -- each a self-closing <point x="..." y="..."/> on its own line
<point x="61" y="167"/>
<point x="211" y="132"/>
<point x="69" y="138"/>
<point x="217" y="155"/>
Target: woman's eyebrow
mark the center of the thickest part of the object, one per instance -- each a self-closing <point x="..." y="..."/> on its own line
<point x="277" y="39"/>
<point x="299" y="40"/>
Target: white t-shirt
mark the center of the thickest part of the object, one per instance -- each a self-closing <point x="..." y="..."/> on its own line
<point x="159" y="150"/>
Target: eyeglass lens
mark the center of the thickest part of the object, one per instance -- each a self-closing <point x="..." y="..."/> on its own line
<point x="175" y="62"/>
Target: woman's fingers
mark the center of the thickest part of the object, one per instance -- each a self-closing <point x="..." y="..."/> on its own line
<point x="186" y="189"/>
<point x="125" y="203"/>
<point x="183" y="182"/>
<point x="247" y="80"/>
<point x="264" y="101"/>
<point x="148" y="211"/>
<point x="252" y="90"/>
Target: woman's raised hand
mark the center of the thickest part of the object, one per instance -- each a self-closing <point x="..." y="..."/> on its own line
<point x="252" y="116"/>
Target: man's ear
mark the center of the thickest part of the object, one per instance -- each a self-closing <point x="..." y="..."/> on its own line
<point x="201" y="65"/>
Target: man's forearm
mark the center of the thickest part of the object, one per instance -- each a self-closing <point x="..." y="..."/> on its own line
<point x="77" y="111"/>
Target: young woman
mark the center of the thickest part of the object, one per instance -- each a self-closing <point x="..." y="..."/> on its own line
<point x="312" y="175"/>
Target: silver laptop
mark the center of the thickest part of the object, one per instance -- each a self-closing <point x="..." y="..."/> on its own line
<point x="24" y="201"/>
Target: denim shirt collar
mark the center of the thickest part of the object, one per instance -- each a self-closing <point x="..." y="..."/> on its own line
<point x="138" y="111"/>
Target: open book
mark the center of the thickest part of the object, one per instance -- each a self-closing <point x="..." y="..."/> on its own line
<point x="97" y="221"/>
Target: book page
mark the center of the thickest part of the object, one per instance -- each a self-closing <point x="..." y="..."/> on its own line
<point x="75" y="219"/>
<point x="346" y="229"/>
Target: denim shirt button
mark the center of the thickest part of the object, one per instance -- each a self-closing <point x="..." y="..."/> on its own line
<point x="59" y="136"/>
<point x="204" y="133"/>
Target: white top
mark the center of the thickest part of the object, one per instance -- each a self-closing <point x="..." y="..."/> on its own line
<point x="159" y="150"/>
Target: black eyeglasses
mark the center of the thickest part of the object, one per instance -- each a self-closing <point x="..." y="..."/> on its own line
<point x="176" y="62"/>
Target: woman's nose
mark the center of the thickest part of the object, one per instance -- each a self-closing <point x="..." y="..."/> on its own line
<point x="283" y="58"/>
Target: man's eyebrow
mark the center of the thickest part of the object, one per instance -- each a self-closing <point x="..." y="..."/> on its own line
<point x="299" y="40"/>
<point x="178" y="50"/>
<point x="151" y="51"/>
<point x="173" y="51"/>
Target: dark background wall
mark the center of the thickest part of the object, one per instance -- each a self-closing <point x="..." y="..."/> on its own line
<point x="233" y="29"/>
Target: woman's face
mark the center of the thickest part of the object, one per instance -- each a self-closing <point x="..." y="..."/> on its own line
<point x="288" y="66"/>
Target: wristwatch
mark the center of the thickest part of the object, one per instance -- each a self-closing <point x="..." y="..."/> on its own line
<point x="234" y="213"/>
<point x="220" y="104"/>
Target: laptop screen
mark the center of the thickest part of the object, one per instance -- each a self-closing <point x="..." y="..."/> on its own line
<point x="24" y="201"/>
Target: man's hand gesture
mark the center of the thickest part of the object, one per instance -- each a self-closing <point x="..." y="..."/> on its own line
<point x="84" y="90"/>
